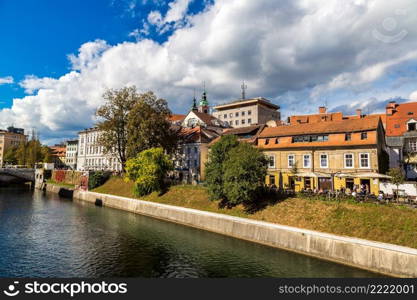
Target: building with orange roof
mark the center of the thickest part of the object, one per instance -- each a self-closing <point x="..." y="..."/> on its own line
<point x="401" y="132"/>
<point x="323" y="156"/>
<point x="324" y="116"/>
<point x="176" y="119"/>
<point x="58" y="153"/>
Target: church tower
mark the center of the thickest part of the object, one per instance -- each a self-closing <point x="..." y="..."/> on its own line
<point x="203" y="106"/>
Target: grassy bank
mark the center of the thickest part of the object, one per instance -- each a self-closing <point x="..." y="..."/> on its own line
<point x="66" y="185"/>
<point x="384" y="223"/>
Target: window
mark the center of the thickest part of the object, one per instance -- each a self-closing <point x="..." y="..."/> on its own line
<point x="249" y="112"/>
<point x="225" y="116"/>
<point x="306" y="161"/>
<point x="412" y="145"/>
<point x="277" y="141"/>
<point x="243" y="113"/>
<point x="271" y="161"/>
<point x="266" y="141"/>
<point x="291" y="160"/>
<point x="236" y="114"/>
<point x="324" y="162"/>
<point x="348" y="160"/>
<point x="364" y="160"/>
<point x="364" y="135"/>
<point x="188" y="151"/>
<point x="310" y="138"/>
<point x="348" y="136"/>
<point x="195" y="163"/>
<point x="231" y="115"/>
<point x="195" y="150"/>
<point x="237" y="122"/>
<point x="249" y="121"/>
<point x="411" y="126"/>
<point x="243" y="121"/>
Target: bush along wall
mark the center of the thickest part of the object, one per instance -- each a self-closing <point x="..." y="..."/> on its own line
<point x="97" y="178"/>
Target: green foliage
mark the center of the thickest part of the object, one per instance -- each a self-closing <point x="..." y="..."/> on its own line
<point x="148" y="126"/>
<point x="397" y="176"/>
<point x="244" y="171"/>
<point x="26" y="153"/>
<point x="97" y="178"/>
<point x="148" y="170"/>
<point x="113" y="120"/>
<point x="235" y="171"/>
<point x="10" y="156"/>
<point x="219" y="153"/>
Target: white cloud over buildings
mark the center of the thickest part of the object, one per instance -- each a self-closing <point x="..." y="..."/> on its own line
<point x="277" y="47"/>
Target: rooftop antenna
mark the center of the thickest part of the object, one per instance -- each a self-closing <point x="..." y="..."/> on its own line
<point x="243" y="87"/>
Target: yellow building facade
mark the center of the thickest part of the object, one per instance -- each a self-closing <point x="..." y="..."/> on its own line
<point x="326" y="156"/>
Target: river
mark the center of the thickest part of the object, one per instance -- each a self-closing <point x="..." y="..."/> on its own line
<point x="43" y="235"/>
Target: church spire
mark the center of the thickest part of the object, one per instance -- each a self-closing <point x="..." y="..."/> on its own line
<point x="204" y="105"/>
<point x="194" y="107"/>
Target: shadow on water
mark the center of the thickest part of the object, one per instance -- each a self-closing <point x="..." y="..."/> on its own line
<point x="48" y="236"/>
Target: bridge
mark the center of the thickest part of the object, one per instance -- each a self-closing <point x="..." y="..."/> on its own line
<point x="12" y="175"/>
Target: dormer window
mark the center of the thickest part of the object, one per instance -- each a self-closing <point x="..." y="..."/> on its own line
<point x="364" y="135"/>
<point x="411" y="126"/>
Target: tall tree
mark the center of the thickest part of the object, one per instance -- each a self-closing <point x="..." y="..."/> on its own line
<point x="219" y="153"/>
<point x="148" y="126"/>
<point x="10" y="157"/>
<point x="113" y="121"/>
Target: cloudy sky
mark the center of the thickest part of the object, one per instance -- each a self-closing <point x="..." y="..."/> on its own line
<point x="57" y="57"/>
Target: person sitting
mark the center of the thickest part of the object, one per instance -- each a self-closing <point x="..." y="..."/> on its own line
<point x="380" y="196"/>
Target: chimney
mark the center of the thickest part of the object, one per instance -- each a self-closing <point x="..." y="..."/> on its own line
<point x="322" y="109"/>
<point x="359" y="112"/>
<point x="390" y="108"/>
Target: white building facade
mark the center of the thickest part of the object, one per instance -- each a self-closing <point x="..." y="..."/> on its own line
<point x="91" y="156"/>
<point x="71" y="154"/>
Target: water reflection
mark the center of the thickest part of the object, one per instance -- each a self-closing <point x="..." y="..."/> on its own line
<point x="46" y="236"/>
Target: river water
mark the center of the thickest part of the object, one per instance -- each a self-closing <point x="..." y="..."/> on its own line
<point x="43" y="235"/>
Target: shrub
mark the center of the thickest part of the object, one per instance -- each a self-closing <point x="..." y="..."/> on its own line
<point x="97" y="178"/>
<point x="148" y="170"/>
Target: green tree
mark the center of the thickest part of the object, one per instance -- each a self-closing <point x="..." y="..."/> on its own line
<point x="113" y="121"/>
<point x="219" y="153"/>
<point x="10" y="156"/>
<point x="46" y="154"/>
<point x="22" y="153"/>
<point x="148" y="170"/>
<point x="244" y="172"/>
<point x="397" y="177"/>
<point x="148" y="126"/>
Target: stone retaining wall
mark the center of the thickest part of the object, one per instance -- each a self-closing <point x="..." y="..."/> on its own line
<point x="374" y="256"/>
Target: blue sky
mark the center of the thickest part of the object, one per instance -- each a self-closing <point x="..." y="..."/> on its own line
<point x="36" y="36"/>
<point x="58" y="57"/>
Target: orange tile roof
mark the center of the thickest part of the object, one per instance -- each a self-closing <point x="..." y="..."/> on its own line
<point x="352" y="125"/>
<point x="174" y="118"/>
<point x="371" y="141"/>
<point x="397" y="122"/>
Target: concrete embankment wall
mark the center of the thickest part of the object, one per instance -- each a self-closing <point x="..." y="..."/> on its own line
<point x="378" y="257"/>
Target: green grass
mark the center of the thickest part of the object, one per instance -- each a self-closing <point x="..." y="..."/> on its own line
<point x="385" y="223"/>
<point x="66" y="185"/>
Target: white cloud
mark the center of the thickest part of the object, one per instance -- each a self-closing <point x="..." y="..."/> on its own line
<point x="277" y="47"/>
<point x="174" y="18"/>
<point x="6" y="80"/>
<point x="413" y="96"/>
